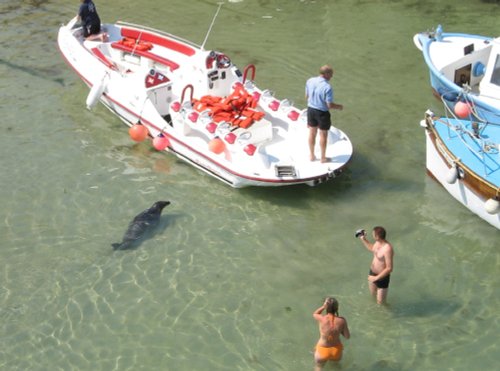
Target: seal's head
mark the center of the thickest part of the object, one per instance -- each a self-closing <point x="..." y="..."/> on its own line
<point x="161" y="204"/>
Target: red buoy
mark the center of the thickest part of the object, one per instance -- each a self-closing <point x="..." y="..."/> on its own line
<point x="216" y="145"/>
<point x="462" y="110"/>
<point x="138" y="132"/>
<point x="161" y="142"/>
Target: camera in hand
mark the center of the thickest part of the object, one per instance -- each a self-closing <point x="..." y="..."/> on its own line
<point x="359" y="233"/>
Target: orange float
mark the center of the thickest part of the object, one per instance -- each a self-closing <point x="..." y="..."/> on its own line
<point x="138" y="132"/>
<point x="216" y="145"/>
<point x="161" y="142"/>
<point x="462" y="110"/>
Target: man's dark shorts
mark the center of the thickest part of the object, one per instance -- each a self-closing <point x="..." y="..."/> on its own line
<point x="317" y="118"/>
<point x="382" y="283"/>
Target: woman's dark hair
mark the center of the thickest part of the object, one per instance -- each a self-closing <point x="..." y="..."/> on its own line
<point x="332" y="306"/>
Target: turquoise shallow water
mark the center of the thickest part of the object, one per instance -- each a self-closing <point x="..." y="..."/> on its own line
<point x="232" y="276"/>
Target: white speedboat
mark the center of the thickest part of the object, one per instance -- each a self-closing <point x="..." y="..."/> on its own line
<point x="464" y="157"/>
<point x="464" y="72"/>
<point x="198" y="105"/>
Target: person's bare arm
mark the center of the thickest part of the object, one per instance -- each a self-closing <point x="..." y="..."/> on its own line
<point x="345" y="330"/>
<point x="367" y="243"/>
<point x="317" y="314"/>
<point x="336" y="106"/>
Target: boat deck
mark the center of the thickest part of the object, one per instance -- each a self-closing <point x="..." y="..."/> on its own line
<point x="479" y="154"/>
<point x="162" y="81"/>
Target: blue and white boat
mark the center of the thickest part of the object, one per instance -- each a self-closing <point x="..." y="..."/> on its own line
<point x="463" y="156"/>
<point x="464" y="68"/>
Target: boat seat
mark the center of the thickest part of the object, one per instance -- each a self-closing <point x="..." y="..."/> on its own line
<point x="99" y="54"/>
<point x="158" y="40"/>
<point x="260" y="132"/>
<point x="147" y="54"/>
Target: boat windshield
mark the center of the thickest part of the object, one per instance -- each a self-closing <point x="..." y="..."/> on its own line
<point x="495" y="76"/>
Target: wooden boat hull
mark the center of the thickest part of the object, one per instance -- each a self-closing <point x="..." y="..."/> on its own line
<point x="471" y="188"/>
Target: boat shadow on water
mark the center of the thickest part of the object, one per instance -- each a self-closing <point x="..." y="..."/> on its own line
<point x="445" y="215"/>
<point x="298" y="196"/>
<point x="42" y="73"/>
<point x="360" y="175"/>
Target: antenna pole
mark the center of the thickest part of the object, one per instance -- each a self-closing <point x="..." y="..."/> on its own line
<point x="210" y="28"/>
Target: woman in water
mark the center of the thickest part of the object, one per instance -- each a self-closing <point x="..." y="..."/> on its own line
<point x="331" y="326"/>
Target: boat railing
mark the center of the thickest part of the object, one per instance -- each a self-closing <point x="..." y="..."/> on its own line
<point x="464" y="96"/>
<point x="481" y="143"/>
<point x="162" y="33"/>
<point x="485" y="147"/>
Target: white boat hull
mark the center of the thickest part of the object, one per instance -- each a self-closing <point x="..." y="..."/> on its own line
<point x="150" y="88"/>
<point x="438" y="166"/>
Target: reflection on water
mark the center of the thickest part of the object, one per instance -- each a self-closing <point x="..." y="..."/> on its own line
<point x="44" y="73"/>
<point x="444" y="214"/>
<point x="231" y="277"/>
<point x="425" y="308"/>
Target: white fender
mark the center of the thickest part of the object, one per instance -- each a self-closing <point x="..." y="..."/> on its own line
<point x="492" y="206"/>
<point x="452" y="175"/>
<point x="96" y="92"/>
<point x="416" y="41"/>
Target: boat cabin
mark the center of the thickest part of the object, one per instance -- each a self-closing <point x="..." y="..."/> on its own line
<point x="490" y="83"/>
<point x="476" y="65"/>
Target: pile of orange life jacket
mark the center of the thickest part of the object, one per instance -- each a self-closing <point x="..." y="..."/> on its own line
<point x="238" y="108"/>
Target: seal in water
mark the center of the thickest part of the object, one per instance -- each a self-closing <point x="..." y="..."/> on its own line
<point x="142" y="223"/>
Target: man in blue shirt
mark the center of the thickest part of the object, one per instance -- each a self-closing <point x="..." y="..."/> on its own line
<point x="319" y="95"/>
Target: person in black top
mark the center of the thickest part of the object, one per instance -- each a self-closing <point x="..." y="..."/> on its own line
<point x="91" y="23"/>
